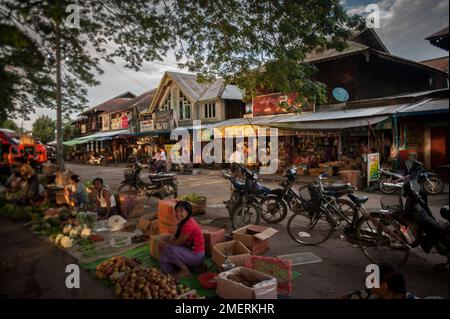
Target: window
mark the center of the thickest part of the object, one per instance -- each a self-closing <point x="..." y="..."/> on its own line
<point x="184" y="107"/>
<point x="210" y="110"/>
<point x="167" y="104"/>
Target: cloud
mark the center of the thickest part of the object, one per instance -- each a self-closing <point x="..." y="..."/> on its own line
<point x="404" y="25"/>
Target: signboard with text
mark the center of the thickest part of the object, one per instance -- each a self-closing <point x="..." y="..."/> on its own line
<point x="373" y="166"/>
<point x="273" y="104"/>
<point x="125" y="121"/>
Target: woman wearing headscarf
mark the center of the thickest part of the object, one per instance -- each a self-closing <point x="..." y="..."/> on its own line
<point x="187" y="248"/>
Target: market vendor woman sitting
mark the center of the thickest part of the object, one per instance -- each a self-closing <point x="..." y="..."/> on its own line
<point x="187" y="249"/>
<point x="76" y="193"/>
<point x="106" y="202"/>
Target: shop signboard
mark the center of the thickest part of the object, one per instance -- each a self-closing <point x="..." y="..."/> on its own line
<point x="147" y="125"/>
<point x="115" y="123"/>
<point x="124" y="121"/>
<point x="373" y="166"/>
<point x="272" y="104"/>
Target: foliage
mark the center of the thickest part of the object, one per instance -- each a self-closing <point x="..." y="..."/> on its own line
<point x="44" y="129"/>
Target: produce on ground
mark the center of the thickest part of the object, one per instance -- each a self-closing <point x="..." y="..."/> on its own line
<point x="115" y="264"/>
<point x="243" y="280"/>
<point x="16" y="213"/>
<point x="66" y="242"/>
<point x="193" y="198"/>
<point x="86" y="218"/>
<point x="96" y="238"/>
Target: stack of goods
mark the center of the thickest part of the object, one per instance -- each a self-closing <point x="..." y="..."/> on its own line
<point x="166" y="216"/>
<point x="131" y="204"/>
<point x="197" y="202"/>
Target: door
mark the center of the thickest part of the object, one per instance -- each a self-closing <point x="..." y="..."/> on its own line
<point x="439" y="146"/>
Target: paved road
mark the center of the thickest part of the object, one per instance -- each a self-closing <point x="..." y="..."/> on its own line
<point x="40" y="268"/>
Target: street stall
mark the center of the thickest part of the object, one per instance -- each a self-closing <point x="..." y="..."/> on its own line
<point x="125" y="253"/>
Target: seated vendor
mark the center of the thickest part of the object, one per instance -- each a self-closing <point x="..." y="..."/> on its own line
<point x="32" y="192"/>
<point x="187" y="249"/>
<point x="106" y="202"/>
<point x="14" y="182"/>
<point x="76" y="193"/>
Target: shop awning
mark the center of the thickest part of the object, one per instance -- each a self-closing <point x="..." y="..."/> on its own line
<point x="425" y="107"/>
<point x="100" y="136"/>
<point x="331" y="124"/>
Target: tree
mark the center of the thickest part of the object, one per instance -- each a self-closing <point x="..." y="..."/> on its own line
<point x="9" y="124"/>
<point x="44" y="129"/>
<point x="254" y="44"/>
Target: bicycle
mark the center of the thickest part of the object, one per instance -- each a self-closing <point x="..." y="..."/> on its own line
<point x="322" y="217"/>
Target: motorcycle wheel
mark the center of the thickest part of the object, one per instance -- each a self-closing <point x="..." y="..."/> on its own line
<point x="386" y="189"/>
<point x="243" y="215"/>
<point x="273" y="209"/>
<point x="127" y="188"/>
<point x="433" y="185"/>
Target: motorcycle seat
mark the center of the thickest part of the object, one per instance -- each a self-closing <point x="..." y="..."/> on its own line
<point x="358" y="199"/>
<point x="445" y="213"/>
<point x="337" y="188"/>
<point x="161" y="175"/>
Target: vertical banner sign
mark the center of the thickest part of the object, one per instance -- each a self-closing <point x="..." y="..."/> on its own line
<point x="373" y="166"/>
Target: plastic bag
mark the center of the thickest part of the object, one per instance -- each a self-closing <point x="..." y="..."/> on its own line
<point x="116" y="223"/>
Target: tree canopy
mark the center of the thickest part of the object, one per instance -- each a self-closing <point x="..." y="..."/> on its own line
<point x="44" y="129"/>
<point x="254" y="44"/>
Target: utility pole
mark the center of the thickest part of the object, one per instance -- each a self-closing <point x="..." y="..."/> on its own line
<point x="59" y="145"/>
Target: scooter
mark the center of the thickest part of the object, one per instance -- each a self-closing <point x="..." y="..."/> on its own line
<point x="160" y="185"/>
<point x="390" y="181"/>
<point x="420" y="227"/>
<point x="96" y="160"/>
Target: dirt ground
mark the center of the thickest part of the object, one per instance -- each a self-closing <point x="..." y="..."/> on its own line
<point x="31" y="268"/>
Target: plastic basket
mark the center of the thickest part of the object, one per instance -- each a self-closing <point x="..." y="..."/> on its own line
<point x="311" y="198"/>
<point x="394" y="204"/>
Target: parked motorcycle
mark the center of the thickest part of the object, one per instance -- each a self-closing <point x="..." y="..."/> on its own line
<point x="244" y="204"/>
<point x="420" y="227"/>
<point x="160" y="185"/>
<point x="275" y="205"/>
<point x="97" y="160"/>
<point x="428" y="181"/>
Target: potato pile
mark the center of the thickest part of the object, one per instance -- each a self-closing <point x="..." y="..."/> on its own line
<point x="147" y="283"/>
<point x="114" y="265"/>
<point x="133" y="281"/>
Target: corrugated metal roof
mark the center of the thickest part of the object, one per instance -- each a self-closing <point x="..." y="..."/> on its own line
<point x="428" y="105"/>
<point x="213" y="91"/>
<point x="232" y="92"/>
<point x="188" y="84"/>
<point x="105" y="134"/>
<point x="341" y="114"/>
<point x="331" y="124"/>
<point x="352" y="48"/>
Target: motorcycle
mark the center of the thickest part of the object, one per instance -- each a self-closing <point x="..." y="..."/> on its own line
<point x="160" y="185"/>
<point x="275" y="205"/>
<point x="243" y="206"/>
<point x="419" y="226"/>
<point x="428" y="181"/>
<point x="97" y="160"/>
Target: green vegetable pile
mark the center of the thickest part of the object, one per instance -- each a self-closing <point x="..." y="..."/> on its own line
<point x="16" y="213"/>
<point x="85" y="218"/>
<point x="193" y="198"/>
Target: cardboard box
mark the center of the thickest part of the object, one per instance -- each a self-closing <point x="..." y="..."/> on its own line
<point x="212" y="236"/>
<point x="255" y="237"/>
<point x="148" y="224"/>
<point x="155" y="240"/>
<point x="166" y="216"/>
<point x="266" y="288"/>
<point x="234" y="250"/>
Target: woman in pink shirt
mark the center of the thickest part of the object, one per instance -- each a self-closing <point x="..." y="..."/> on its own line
<point x="187" y="249"/>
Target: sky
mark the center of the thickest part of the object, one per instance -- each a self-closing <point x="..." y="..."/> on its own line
<point x="404" y="25"/>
